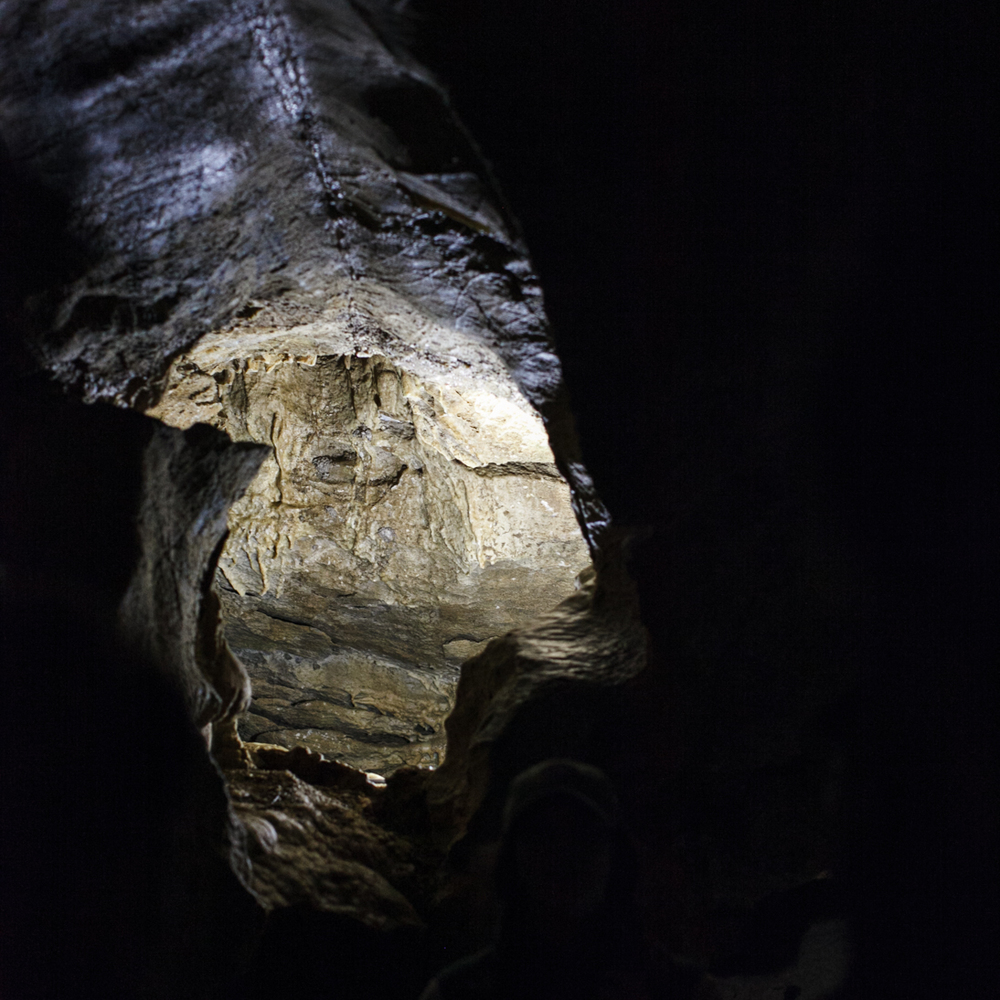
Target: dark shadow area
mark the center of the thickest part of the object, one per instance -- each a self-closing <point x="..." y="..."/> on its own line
<point x="766" y="238"/>
<point x="310" y="955"/>
<point x="115" y="879"/>
<point x="115" y="882"/>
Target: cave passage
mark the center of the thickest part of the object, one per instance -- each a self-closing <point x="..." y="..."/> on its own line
<point x="399" y="524"/>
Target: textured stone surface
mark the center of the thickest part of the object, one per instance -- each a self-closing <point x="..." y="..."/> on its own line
<point x="279" y="227"/>
<point x="353" y="709"/>
<point x="322" y="847"/>
<point x="275" y="225"/>
<point x="501" y="723"/>
<point x="396" y="527"/>
<point x="273" y="160"/>
<point x="170" y="613"/>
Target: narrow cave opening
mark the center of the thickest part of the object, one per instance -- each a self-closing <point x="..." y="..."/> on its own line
<point x="401" y="522"/>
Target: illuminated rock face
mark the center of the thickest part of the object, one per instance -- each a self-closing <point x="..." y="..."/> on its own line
<point x="269" y="220"/>
<point x="398" y="525"/>
<point x="261" y="215"/>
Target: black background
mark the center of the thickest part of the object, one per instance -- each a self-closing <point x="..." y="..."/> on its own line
<point x="767" y="238"/>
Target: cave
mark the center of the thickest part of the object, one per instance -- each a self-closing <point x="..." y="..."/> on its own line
<point x="291" y="375"/>
<point x="351" y="469"/>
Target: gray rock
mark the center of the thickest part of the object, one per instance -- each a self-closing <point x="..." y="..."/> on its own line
<point x="170" y="613"/>
<point x="279" y="229"/>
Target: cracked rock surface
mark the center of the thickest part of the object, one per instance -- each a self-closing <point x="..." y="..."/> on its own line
<point x="397" y="526"/>
<point x="270" y="221"/>
<point x="275" y="224"/>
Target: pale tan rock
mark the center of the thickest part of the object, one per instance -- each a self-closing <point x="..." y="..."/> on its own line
<point x="399" y="524"/>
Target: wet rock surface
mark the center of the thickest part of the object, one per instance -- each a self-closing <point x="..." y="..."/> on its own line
<point x="276" y="177"/>
<point x="297" y="244"/>
<point x="275" y="225"/>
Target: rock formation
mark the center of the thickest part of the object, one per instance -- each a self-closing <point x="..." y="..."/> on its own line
<point x="327" y="484"/>
<point x="396" y="527"/>
<point x="270" y="222"/>
<point x="309" y="254"/>
<point x="170" y="612"/>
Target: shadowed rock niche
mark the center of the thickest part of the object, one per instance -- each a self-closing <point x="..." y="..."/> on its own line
<point x="400" y="523"/>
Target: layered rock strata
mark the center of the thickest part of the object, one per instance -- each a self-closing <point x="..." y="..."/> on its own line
<point x="397" y="526"/>
<point x="275" y="224"/>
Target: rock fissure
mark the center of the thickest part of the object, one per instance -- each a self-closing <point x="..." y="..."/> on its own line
<point x="540" y="469"/>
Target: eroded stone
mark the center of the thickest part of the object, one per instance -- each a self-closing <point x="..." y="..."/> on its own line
<point x="170" y="613"/>
<point x="399" y="524"/>
<point x="318" y="846"/>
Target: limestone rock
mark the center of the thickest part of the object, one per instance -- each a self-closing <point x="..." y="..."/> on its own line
<point x="169" y="613"/>
<point x="279" y="229"/>
<point x="319" y="846"/>
<point x="398" y="525"/>
<point x="309" y="766"/>
<point x="271" y="175"/>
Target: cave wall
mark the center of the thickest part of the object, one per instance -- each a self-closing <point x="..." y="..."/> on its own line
<point x="323" y="174"/>
<point x="229" y="246"/>
<point x="268" y="219"/>
<point x="317" y="203"/>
